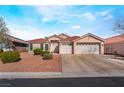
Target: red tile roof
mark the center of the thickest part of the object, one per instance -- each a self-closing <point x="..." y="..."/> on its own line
<point x="115" y="39"/>
<point x="71" y="38"/>
<point x="40" y="40"/>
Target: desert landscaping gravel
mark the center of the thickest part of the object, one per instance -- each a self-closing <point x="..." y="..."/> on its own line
<point x="33" y="63"/>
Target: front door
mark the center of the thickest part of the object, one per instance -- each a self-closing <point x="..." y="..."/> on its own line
<point x="46" y="47"/>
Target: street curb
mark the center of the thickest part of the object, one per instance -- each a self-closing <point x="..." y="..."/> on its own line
<point x="29" y="74"/>
<point x="13" y="75"/>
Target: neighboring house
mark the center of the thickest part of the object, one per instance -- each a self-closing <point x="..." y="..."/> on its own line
<point x="18" y="44"/>
<point x="115" y="44"/>
<point x="64" y="44"/>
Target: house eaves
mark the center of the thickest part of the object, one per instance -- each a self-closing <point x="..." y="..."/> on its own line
<point x="92" y="35"/>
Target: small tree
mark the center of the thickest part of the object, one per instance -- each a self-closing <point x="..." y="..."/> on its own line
<point x="119" y="26"/>
<point x="4" y="32"/>
<point x="46" y="37"/>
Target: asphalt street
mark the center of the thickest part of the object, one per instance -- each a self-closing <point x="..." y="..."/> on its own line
<point x="64" y="82"/>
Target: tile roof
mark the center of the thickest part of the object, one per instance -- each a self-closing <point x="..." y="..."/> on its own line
<point x="115" y="39"/>
<point x="63" y="34"/>
<point x="40" y="40"/>
<point x="54" y="36"/>
<point x="71" y="38"/>
<point x="14" y="39"/>
<point x="92" y="35"/>
<point x="68" y="39"/>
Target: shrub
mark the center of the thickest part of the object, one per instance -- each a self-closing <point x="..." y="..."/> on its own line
<point x="10" y="56"/>
<point x="1" y="55"/>
<point x="1" y="50"/>
<point x="47" y="56"/>
<point x="44" y="52"/>
<point x="37" y="51"/>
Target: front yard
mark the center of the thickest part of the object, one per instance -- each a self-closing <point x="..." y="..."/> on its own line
<point x="83" y="64"/>
<point x="33" y="63"/>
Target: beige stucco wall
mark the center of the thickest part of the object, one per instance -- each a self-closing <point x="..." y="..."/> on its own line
<point x="89" y="39"/>
<point x="54" y="38"/>
<point x="54" y="47"/>
<point x="35" y="45"/>
<point x="63" y="36"/>
<point x="102" y="47"/>
<point x="38" y="45"/>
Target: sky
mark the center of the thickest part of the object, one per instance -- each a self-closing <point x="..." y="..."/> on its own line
<point x="31" y="22"/>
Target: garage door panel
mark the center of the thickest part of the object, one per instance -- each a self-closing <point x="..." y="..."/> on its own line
<point x="87" y="49"/>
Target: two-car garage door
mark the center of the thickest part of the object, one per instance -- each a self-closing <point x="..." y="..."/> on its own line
<point x="87" y="48"/>
<point x="80" y="48"/>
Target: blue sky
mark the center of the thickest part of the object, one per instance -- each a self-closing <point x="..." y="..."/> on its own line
<point x="30" y="22"/>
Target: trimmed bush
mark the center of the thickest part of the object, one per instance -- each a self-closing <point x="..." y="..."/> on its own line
<point x="1" y="50"/>
<point x="1" y="55"/>
<point x="44" y="52"/>
<point x="10" y="56"/>
<point x="37" y="51"/>
<point x="47" y="56"/>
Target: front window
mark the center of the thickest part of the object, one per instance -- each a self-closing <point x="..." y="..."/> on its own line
<point x="41" y="46"/>
<point x="46" y="46"/>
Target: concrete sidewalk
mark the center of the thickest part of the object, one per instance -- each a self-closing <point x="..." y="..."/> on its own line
<point x="30" y="74"/>
<point x="12" y="75"/>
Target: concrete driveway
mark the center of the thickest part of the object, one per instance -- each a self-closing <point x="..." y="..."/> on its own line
<point x="92" y="65"/>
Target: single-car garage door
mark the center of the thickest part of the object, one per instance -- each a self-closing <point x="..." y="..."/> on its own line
<point x="65" y="48"/>
<point x="87" y="48"/>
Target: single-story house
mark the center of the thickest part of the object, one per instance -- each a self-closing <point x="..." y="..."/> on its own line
<point x="115" y="44"/>
<point x="64" y="44"/>
<point x="18" y="44"/>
